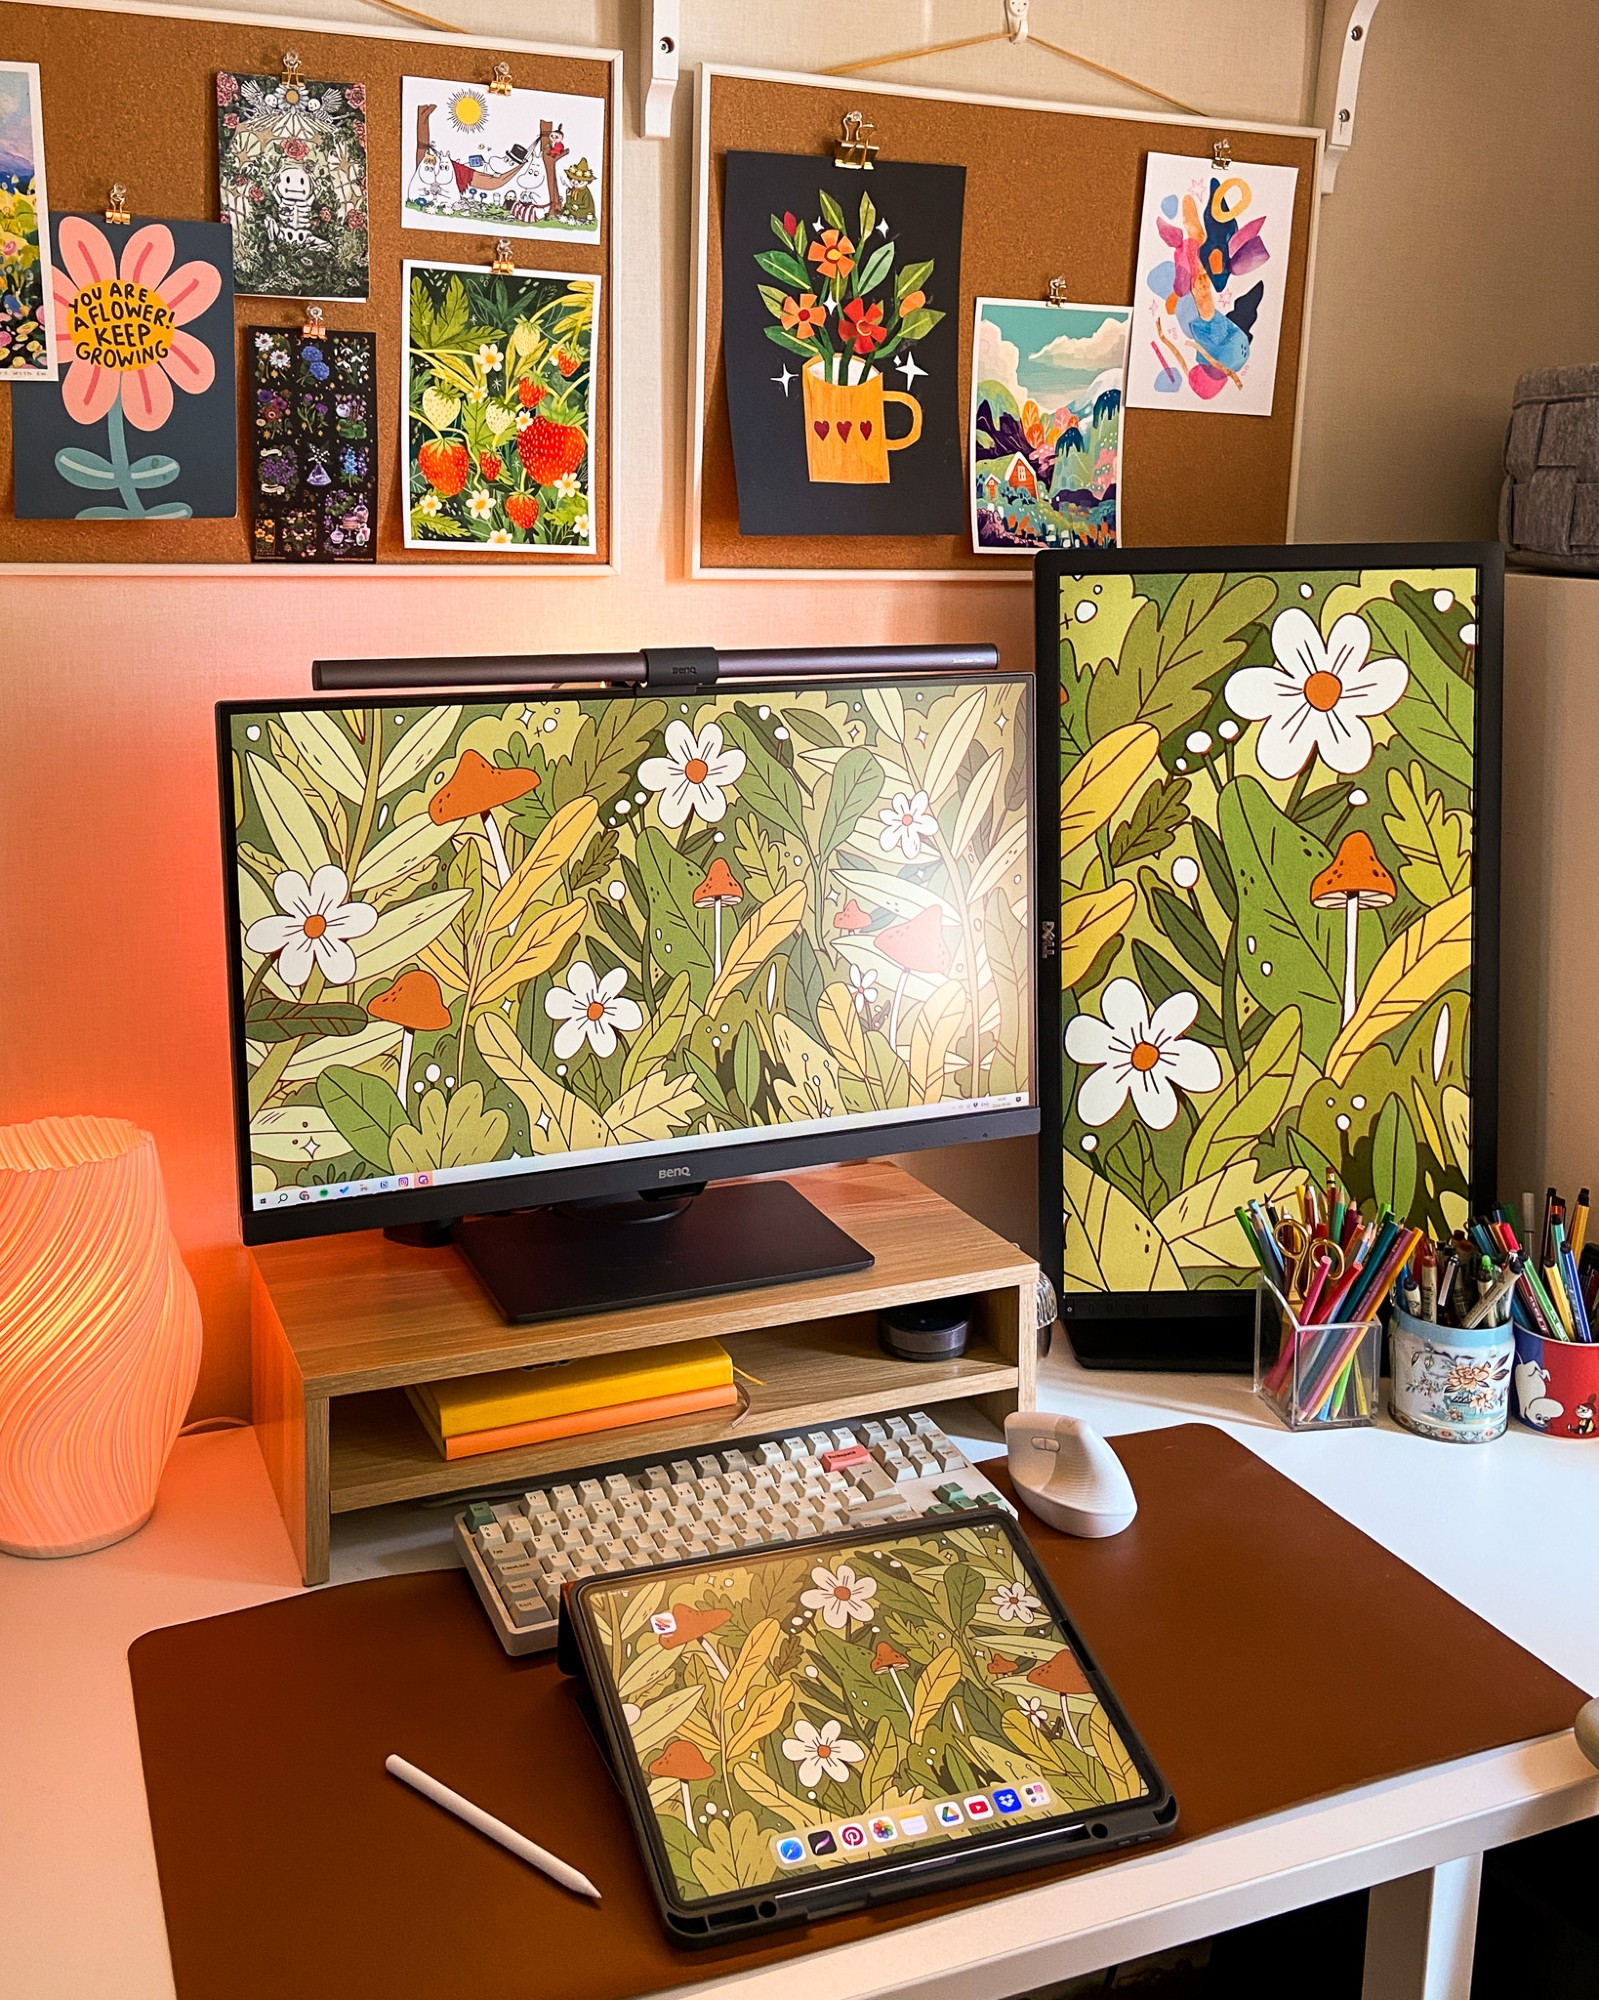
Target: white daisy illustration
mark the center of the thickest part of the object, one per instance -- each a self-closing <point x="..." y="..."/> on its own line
<point x="1315" y="697"/>
<point x="821" y="1753"/>
<point x="480" y="505"/>
<point x="694" y="776"/>
<point x="489" y="357"/>
<point x="906" y="824"/>
<point x="1014" y="1601"/>
<point x="1139" y="1053"/>
<point x="590" y="1010"/>
<point x="315" y="928"/>
<point x="863" y="988"/>
<point x="1033" y="1710"/>
<point x="839" y="1596"/>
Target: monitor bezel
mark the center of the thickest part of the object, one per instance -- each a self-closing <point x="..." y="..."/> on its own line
<point x="662" y="1174"/>
<point x="1487" y="559"/>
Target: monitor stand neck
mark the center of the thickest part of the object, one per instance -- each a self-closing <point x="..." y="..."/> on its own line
<point x="576" y="1258"/>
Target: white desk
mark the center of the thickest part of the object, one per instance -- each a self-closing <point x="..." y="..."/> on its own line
<point x="80" y="1911"/>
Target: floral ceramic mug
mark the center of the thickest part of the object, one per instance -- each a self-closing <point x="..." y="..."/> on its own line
<point x="1449" y="1383"/>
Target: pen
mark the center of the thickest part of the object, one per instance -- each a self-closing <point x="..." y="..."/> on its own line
<point x="496" y="1829"/>
<point x="1579" y="1225"/>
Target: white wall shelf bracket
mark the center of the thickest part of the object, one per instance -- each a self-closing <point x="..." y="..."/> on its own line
<point x="1341" y="132"/>
<point x="660" y="23"/>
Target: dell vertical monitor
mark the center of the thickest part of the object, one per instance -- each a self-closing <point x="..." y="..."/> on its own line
<point x="1271" y="860"/>
<point x="493" y="955"/>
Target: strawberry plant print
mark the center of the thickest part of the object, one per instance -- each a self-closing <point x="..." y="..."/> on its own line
<point x="789" y="1692"/>
<point x="1267" y="822"/>
<point x="499" y="409"/>
<point x="477" y="933"/>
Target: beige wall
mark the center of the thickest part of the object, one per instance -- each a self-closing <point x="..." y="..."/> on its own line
<point x="1456" y="252"/>
<point x="110" y="927"/>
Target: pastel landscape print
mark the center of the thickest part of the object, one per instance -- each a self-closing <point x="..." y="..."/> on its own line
<point x="1266" y="931"/>
<point x="26" y="350"/>
<point x="789" y="1693"/>
<point x="1046" y="424"/>
<point x="485" y="933"/>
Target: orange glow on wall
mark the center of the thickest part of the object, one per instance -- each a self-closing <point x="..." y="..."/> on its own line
<point x="99" y="1334"/>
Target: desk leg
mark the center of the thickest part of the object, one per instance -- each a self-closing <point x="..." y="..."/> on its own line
<point x="1421" y="1932"/>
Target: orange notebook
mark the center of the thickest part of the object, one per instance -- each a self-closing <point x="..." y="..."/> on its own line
<point x="576" y="1423"/>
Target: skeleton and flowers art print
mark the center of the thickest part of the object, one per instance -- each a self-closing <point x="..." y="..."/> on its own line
<point x="1268" y="820"/>
<point x="292" y="170"/>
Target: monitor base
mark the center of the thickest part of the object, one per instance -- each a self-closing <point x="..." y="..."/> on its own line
<point x="1150" y="1341"/>
<point x="544" y="1263"/>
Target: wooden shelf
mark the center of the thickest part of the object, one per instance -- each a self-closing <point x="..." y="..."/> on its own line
<point x="825" y="1372"/>
<point x="341" y="1324"/>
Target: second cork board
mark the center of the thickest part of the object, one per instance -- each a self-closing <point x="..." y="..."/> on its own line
<point x="1050" y="191"/>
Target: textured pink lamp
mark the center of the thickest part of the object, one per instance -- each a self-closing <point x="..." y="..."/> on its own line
<point x="99" y="1334"/>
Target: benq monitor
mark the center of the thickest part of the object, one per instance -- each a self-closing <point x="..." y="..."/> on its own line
<point x="495" y="954"/>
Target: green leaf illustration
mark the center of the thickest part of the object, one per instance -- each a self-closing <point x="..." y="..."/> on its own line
<point x="365" y="1110"/>
<point x="1110" y="1245"/>
<point x="1435" y="714"/>
<point x="1393" y="1158"/>
<point x="1194" y="943"/>
<point x="832" y="214"/>
<point x="1274" y="863"/>
<point x="272" y="1020"/>
<point x="1218" y="870"/>
<point x="875" y="269"/>
<point x="169" y="510"/>
<point x="779" y="264"/>
<point x="1167" y="664"/>
<point x="154" y="470"/>
<point x="912" y="278"/>
<point x="963" y="1588"/>
<point x="1153" y="825"/>
<point x="1436" y="844"/>
<point x="857" y="781"/>
<point x="86" y="468"/>
<point x="1248" y="1104"/>
<point x="1130" y="1163"/>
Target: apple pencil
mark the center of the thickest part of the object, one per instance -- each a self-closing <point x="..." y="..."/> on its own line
<point x="496" y="1829"/>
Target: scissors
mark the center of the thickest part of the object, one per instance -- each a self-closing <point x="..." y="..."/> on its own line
<point x="1300" y="1247"/>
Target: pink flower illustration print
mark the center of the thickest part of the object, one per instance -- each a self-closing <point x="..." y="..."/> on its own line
<point x="121" y="327"/>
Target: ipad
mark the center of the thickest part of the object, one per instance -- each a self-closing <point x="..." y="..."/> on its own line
<point x="804" y="1729"/>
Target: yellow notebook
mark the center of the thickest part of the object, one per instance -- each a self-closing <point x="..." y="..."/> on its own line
<point x="560" y="1388"/>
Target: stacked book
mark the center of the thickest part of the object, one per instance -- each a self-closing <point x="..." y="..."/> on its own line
<point x="518" y="1406"/>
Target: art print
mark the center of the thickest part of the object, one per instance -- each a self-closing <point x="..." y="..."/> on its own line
<point x="27" y="321"/>
<point x="1045" y="445"/>
<point x="498" y="416"/>
<point x="493" y="163"/>
<point x="870" y="1693"/>
<point x="1213" y="263"/>
<point x="141" y="426"/>
<point x="292" y="170"/>
<point x="530" y="928"/>
<point x="314" y="449"/>
<point x="840" y="346"/>
<point x="1268" y="827"/>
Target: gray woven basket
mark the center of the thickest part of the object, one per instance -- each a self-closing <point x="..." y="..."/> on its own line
<point x="1549" y="504"/>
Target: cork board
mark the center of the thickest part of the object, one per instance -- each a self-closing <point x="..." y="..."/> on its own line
<point x="1051" y="190"/>
<point x="130" y="96"/>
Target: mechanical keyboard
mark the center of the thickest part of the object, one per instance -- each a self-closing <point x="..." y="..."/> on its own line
<point x="645" y="1511"/>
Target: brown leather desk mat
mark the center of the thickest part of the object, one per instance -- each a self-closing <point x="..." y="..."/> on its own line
<point x="291" y="1863"/>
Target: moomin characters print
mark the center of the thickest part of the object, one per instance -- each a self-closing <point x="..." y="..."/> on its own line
<point x="502" y="162"/>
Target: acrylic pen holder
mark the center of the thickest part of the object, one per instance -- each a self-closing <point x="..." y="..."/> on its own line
<point x="1314" y="1377"/>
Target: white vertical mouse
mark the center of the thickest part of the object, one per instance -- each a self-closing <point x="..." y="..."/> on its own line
<point x="1067" y="1475"/>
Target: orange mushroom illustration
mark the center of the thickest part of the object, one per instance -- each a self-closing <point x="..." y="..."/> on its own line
<point x="850" y="919"/>
<point x="719" y="890"/>
<point x="1062" y="1674"/>
<point x="694" y="1628"/>
<point x="1354" y="880"/>
<point x="888" y="1660"/>
<point x="685" y="1762"/>
<point x="473" y="790"/>
<point x="414" y="1002"/>
<point x="999" y="1665"/>
<point x="916" y="945"/>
